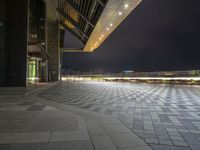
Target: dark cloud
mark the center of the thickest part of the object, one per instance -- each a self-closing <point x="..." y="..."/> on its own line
<point x="158" y="35"/>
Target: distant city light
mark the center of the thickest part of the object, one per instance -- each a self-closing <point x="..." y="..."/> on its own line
<point x="103" y="78"/>
<point x="102" y="35"/>
<point x="128" y="71"/>
<point x="108" y="29"/>
<point x="111" y="24"/>
<point x="155" y="78"/>
<point x="120" y="13"/>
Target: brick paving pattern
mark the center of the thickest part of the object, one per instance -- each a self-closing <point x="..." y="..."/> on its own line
<point x="167" y="117"/>
<point x="29" y="125"/>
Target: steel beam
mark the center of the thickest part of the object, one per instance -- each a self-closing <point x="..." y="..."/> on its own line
<point x="100" y="2"/>
<point x="72" y="32"/>
<point x="67" y="17"/>
<point x="71" y="50"/>
<point x="80" y="14"/>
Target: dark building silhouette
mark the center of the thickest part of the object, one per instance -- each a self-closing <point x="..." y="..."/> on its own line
<point x="32" y="33"/>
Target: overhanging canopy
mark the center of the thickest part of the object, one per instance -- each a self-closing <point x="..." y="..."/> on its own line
<point x="92" y="21"/>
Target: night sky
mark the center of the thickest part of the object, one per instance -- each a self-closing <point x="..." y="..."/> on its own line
<point x="159" y="35"/>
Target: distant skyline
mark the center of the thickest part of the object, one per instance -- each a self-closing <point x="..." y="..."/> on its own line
<point x="159" y="35"/>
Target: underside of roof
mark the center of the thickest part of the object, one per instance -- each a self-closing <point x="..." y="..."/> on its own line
<point x="92" y="21"/>
<point x="79" y="17"/>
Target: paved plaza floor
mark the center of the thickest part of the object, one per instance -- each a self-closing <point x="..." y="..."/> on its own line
<point x="29" y="125"/>
<point x="28" y="122"/>
<point x="166" y="117"/>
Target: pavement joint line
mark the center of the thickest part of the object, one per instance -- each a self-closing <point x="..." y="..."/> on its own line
<point x="51" y="132"/>
<point x="92" y="142"/>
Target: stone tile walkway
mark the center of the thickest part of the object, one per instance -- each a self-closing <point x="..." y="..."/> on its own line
<point x="167" y="117"/>
<point x="29" y="125"/>
<point x="33" y="123"/>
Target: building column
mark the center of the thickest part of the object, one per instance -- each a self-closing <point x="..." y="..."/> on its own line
<point x="53" y="42"/>
<point x="2" y="42"/>
<point x="53" y="45"/>
<point x="16" y="40"/>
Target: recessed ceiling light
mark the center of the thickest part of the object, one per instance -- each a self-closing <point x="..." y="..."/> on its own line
<point x="111" y="24"/>
<point x="102" y="35"/>
<point x="126" y="5"/>
<point x="99" y="38"/>
<point x="120" y="13"/>
<point x="107" y="29"/>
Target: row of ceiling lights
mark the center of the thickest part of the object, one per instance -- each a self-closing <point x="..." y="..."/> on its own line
<point x="108" y="28"/>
